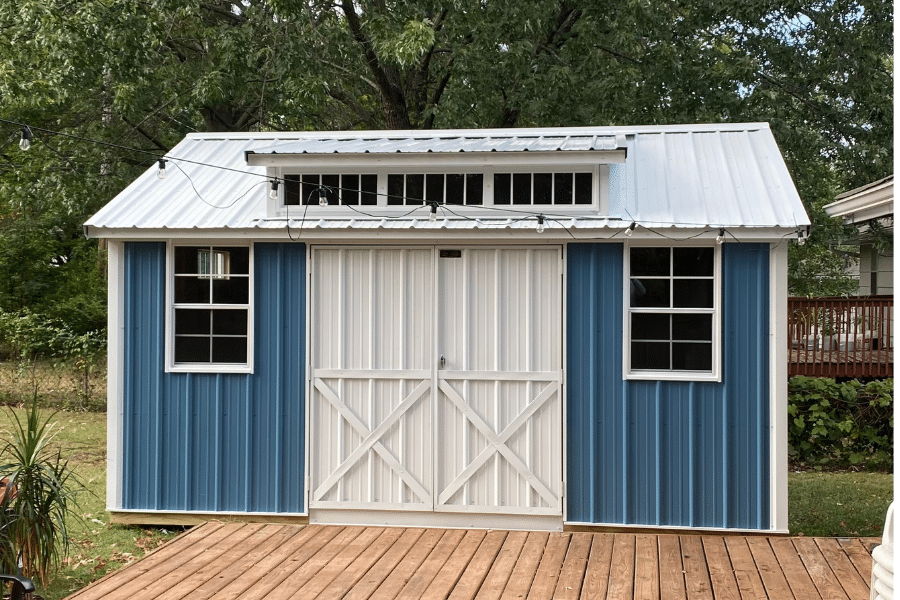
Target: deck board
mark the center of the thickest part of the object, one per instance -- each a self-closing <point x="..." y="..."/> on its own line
<point x="746" y="573"/>
<point x="596" y="577"/>
<point x="569" y="584"/>
<point x="843" y="569"/>
<point x="819" y="571"/>
<point x="471" y="580"/>
<point x="671" y="568"/>
<point x="721" y="573"/>
<point x="502" y="567"/>
<point x="233" y="561"/>
<point x="621" y="568"/>
<point x="696" y="571"/>
<point x="859" y="555"/>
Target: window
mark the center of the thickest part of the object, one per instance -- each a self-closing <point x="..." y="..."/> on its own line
<point x="543" y="188"/>
<point x="672" y="313"/>
<point x="210" y="318"/>
<point x="576" y="188"/>
<point x="451" y="188"/>
<point x="339" y="189"/>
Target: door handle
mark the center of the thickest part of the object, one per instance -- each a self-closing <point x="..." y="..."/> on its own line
<point x="443" y="361"/>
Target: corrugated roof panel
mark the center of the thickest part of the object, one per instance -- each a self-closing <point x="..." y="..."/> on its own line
<point x="674" y="176"/>
<point x="375" y="145"/>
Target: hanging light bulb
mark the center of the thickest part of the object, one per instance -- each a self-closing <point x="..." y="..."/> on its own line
<point x="273" y="192"/>
<point x="720" y="239"/>
<point x="433" y="215"/>
<point x="540" y="224"/>
<point x="25" y="142"/>
<point x="161" y="173"/>
<point x="323" y="196"/>
<point x="630" y="229"/>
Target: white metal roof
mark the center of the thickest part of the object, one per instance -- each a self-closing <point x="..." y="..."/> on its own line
<point x="425" y="142"/>
<point x="696" y="176"/>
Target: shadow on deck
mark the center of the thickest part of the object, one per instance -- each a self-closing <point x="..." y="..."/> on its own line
<point x="277" y="562"/>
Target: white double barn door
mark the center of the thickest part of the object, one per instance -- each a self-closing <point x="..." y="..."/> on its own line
<point x="436" y="376"/>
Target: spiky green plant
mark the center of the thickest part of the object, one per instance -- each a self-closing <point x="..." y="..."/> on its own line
<point x="41" y="494"/>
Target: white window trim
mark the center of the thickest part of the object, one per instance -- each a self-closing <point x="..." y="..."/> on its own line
<point x="171" y="366"/>
<point x="599" y="190"/>
<point x="646" y="375"/>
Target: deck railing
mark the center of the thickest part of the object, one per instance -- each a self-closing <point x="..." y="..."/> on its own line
<point x="841" y="337"/>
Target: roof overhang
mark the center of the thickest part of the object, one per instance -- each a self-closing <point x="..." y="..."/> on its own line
<point x="478" y="231"/>
<point x="872" y="201"/>
<point x="434" y="159"/>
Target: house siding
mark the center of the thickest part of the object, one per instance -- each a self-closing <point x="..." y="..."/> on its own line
<point x="666" y="453"/>
<point x="216" y="442"/>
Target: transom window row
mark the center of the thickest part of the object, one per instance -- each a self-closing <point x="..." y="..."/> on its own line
<point x="468" y="189"/>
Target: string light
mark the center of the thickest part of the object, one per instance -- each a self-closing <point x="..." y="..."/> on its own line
<point x="630" y="229"/>
<point x="433" y="215"/>
<point x="25" y="142"/>
<point x="161" y="173"/>
<point x="720" y="239"/>
<point x="540" y="224"/>
<point x="323" y="196"/>
<point x="273" y="191"/>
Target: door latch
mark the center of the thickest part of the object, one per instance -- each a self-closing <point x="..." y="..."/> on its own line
<point x="443" y="361"/>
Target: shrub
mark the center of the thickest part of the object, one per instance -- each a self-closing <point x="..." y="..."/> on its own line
<point x="840" y="424"/>
<point x="39" y="498"/>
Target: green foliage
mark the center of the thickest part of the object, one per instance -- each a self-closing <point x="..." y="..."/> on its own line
<point x="26" y="335"/>
<point x="840" y="424"/>
<point x="41" y="498"/>
<point x="141" y="75"/>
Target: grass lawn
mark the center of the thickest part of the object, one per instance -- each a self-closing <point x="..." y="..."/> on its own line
<point x="838" y="504"/>
<point x="821" y="504"/>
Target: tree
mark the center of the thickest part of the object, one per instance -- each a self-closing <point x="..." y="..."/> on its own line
<point x="142" y="73"/>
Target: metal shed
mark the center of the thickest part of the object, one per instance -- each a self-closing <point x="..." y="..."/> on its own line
<point x="530" y="328"/>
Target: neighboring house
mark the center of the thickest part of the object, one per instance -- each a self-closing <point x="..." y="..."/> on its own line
<point x="565" y="342"/>
<point x="861" y="207"/>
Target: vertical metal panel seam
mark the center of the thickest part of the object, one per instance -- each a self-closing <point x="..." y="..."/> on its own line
<point x="159" y="432"/>
<point x="658" y="456"/>
<point x="217" y="441"/>
<point x="279" y="387"/>
<point x="248" y="437"/>
<point x="188" y="425"/>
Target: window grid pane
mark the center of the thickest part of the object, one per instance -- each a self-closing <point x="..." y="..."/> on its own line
<point x="672" y="305"/>
<point x="211" y="305"/>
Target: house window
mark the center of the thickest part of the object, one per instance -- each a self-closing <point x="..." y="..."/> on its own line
<point x="672" y="313"/>
<point x="210" y="318"/>
<point x="543" y="188"/>
<point x="443" y="188"/>
<point x="345" y="190"/>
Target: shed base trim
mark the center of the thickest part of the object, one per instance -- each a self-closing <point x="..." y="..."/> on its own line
<point x="376" y="518"/>
<point x="661" y="529"/>
<point x="188" y="518"/>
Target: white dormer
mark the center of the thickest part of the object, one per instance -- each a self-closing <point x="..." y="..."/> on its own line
<point x="450" y="174"/>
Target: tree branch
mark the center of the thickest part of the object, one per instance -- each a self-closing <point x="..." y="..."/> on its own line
<point x="147" y="135"/>
<point x="395" y="111"/>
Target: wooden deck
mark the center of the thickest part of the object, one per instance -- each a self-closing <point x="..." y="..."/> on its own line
<point x="276" y="562"/>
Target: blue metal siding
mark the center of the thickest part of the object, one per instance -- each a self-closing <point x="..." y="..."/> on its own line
<point x="680" y="454"/>
<point x="216" y="442"/>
